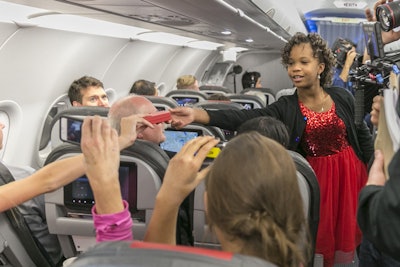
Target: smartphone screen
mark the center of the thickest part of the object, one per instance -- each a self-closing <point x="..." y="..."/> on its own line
<point x="176" y="139"/>
<point x="70" y="129"/>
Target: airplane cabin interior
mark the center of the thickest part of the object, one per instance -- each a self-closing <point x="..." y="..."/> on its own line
<point x="46" y="44"/>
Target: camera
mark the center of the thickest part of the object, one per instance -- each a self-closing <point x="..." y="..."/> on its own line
<point x="340" y="49"/>
<point x="388" y="15"/>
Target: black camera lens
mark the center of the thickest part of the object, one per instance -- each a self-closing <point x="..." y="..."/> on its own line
<point x="388" y="15"/>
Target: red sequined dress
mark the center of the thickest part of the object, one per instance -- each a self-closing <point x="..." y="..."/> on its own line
<point x="341" y="175"/>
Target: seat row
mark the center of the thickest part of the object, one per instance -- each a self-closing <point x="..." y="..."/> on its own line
<point x="142" y="168"/>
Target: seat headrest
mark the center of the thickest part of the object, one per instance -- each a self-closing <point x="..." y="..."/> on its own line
<point x="214" y="89"/>
<point x="187" y="92"/>
<point x="218" y="105"/>
<point x="162" y="101"/>
<point x="263" y="90"/>
<point x="146" y="151"/>
<point x="246" y="100"/>
<point x="150" y="153"/>
<point x="143" y="254"/>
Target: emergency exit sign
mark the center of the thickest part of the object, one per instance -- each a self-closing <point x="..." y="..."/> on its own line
<point x="350" y="4"/>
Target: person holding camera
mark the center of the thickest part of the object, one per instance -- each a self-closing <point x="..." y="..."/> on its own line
<point x="378" y="213"/>
<point x="345" y="53"/>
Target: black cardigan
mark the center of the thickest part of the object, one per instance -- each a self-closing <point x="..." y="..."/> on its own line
<point x="288" y="111"/>
<point x="379" y="212"/>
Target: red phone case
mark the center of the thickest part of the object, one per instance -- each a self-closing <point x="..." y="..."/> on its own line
<point x="158" y="117"/>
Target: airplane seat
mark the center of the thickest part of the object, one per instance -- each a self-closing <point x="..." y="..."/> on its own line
<point x="68" y="209"/>
<point x="18" y="247"/>
<point x="145" y="254"/>
<point x="59" y="105"/>
<point x="207" y="130"/>
<point x="111" y="94"/>
<point x="220" y="105"/>
<point x="309" y="189"/>
<point x="247" y="101"/>
<point x="187" y="97"/>
<point x="46" y="132"/>
<point x="269" y="94"/>
<point x="162" y="102"/>
<point x="214" y="89"/>
<point x="282" y="92"/>
<point x="203" y="236"/>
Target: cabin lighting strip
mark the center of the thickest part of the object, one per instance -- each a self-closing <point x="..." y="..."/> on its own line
<point x="243" y="15"/>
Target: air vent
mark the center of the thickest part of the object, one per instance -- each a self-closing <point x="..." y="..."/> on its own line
<point x="175" y="21"/>
<point x="270" y="12"/>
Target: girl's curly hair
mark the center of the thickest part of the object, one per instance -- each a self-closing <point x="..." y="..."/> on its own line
<point x="320" y="51"/>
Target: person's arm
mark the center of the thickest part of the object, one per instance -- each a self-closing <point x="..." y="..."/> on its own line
<point x="376" y="106"/>
<point x="61" y="172"/>
<point x="379" y="206"/>
<point x="344" y="75"/>
<point x="181" y="178"/>
<point x="182" y="116"/>
<point x="100" y="148"/>
<point x="46" y="179"/>
<point x="366" y="56"/>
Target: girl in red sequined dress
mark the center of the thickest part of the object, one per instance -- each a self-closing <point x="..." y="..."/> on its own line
<point x="320" y="121"/>
<point x="341" y="175"/>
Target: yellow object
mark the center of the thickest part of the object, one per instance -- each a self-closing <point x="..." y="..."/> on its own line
<point x="214" y="152"/>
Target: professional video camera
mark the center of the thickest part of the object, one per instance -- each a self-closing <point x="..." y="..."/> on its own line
<point x="388" y="15"/>
<point x="340" y="48"/>
<point x="370" y="78"/>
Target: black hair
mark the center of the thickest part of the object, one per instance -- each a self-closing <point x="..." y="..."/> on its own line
<point x="249" y="79"/>
<point x="267" y="126"/>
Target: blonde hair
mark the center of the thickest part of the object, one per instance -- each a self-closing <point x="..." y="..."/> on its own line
<point x="246" y="200"/>
<point x="186" y="82"/>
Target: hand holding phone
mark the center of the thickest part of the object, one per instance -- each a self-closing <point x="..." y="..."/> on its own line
<point x="158" y="117"/>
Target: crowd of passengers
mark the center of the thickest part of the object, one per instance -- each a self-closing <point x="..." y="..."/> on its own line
<point x="359" y="209"/>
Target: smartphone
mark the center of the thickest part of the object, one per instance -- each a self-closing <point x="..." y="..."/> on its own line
<point x="176" y="139"/>
<point x="158" y="117"/>
<point x="70" y="129"/>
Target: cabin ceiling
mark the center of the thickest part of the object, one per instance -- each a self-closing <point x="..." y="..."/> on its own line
<point x="206" y="19"/>
<point x="193" y="18"/>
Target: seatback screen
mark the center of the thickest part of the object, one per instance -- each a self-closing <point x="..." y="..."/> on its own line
<point x="78" y="195"/>
<point x="185" y="101"/>
<point x="246" y="105"/>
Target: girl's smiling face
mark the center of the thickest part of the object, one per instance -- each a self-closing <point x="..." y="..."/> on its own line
<point x="303" y="68"/>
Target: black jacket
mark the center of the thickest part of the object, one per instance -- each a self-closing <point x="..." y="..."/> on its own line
<point x="184" y="224"/>
<point x="288" y="111"/>
<point x="379" y="212"/>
